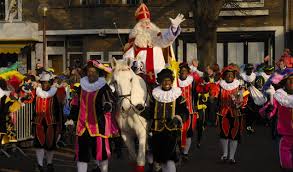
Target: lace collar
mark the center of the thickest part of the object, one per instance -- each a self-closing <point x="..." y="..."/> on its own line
<point x="284" y="98"/>
<point x="248" y="78"/>
<point x="229" y="86"/>
<point x="166" y="96"/>
<point x="91" y="87"/>
<point x="46" y="94"/>
<point x="4" y="93"/>
<point x="186" y="82"/>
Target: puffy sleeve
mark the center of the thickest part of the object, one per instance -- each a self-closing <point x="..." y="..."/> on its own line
<point x="168" y="37"/>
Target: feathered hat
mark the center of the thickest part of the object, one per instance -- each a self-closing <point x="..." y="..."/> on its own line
<point x="268" y="68"/>
<point x="230" y="68"/>
<point x="278" y="77"/>
<point x="46" y="76"/>
<point x="99" y="65"/>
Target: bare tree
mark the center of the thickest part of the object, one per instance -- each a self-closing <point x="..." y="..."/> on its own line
<point x="206" y="15"/>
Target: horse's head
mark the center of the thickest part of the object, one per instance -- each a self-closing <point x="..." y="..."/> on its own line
<point x="122" y="78"/>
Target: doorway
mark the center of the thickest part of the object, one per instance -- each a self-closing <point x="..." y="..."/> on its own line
<point x="56" y="62"/>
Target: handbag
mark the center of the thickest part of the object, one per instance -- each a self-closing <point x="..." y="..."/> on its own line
<point x="257" y="96"/>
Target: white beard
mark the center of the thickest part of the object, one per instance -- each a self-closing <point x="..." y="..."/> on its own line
<point x="145" y="37"/>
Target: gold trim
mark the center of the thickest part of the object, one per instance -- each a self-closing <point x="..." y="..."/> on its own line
<point x="83" y="130"/>
<point x="86" y="114"/>
<point x="173" y="109"/>
<point x="95" y="115"/>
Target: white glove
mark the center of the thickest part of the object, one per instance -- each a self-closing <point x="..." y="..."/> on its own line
<point x="176" y="22"/>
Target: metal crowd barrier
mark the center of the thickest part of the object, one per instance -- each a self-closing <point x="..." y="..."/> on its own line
<point x="21" y="129"/>
<point x="23" y="125"/>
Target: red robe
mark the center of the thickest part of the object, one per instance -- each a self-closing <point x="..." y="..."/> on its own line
<point x="227" y="109"/>
<point x="187" y="88"/>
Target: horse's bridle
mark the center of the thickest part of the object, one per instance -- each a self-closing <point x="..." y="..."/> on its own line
<point x="127" y="96"/>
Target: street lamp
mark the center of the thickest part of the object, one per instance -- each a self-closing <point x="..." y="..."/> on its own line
<point x="43" y="9"/>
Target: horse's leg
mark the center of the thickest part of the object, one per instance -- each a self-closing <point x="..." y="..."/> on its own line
<point x="141" y="134"/>
<point x="129" y="142"/>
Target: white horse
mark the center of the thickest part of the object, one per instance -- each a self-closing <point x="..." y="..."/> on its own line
<point x="132" y="91"/>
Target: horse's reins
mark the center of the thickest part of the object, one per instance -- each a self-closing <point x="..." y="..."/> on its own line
<point x="126" y="96"/>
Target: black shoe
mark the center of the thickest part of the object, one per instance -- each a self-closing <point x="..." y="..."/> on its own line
<point x="50" y="168"/>
<point x="198" y="145"/>
<point x="223" y="159"/>
<point x="232" y="161"/>
<point x="185" y="157"/>
<point x="39" y="168"/>
<point x="97" y="169"/>
<point x="250" y="130"/>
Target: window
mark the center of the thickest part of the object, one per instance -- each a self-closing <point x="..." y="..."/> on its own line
<point x="236" y="53"/>
<point x="92" y="2"/>
<point x="10" y="10"/>
<point x="75" y="59"/>
<point x="245" y="4"/>
<point x="2" y="9"/>
<point x="100" y="1"/>
<point x="133" y="2"/>
<point x="83" y="2"/>
<point x="74" y="43"/>
<point x="116" y="54"/>
<point x="55" y="43"/>
<point x="249" y="0"/>
<point x="95" y="56"/>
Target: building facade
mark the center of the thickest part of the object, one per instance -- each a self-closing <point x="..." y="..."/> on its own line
<point x="17" y="36"/>
<point x="78" y="30"/>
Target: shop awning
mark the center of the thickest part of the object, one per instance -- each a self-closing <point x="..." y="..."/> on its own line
<point x="11" y="48"/>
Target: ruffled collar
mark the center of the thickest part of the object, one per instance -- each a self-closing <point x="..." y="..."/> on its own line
<point x="91" y="87"/>
<point x="4" y="93"/>
<point x="186" y="82"/>
<point x="248" y="78"/>
<point x="166" y="96"/>
<point x="46" y="94"/>
<point x="229" y="86"/>
<point x="284" y="98"/>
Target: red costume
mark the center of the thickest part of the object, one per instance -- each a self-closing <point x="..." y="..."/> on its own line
<point x="46" y="119"/>
<point x="188" y="87"/>
<point x="229" y="115"/>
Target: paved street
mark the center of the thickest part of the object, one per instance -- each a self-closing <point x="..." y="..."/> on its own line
<point x="256" y="153"/>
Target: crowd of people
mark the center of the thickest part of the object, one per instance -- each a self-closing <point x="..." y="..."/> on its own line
<point x="232" y="99"/>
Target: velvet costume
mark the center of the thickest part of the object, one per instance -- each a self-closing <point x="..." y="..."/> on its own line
<point x="94" y="124"/>
<point x="165" y="127"/>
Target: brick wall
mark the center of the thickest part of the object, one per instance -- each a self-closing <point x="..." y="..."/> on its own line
<point x="61" y="16"/>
